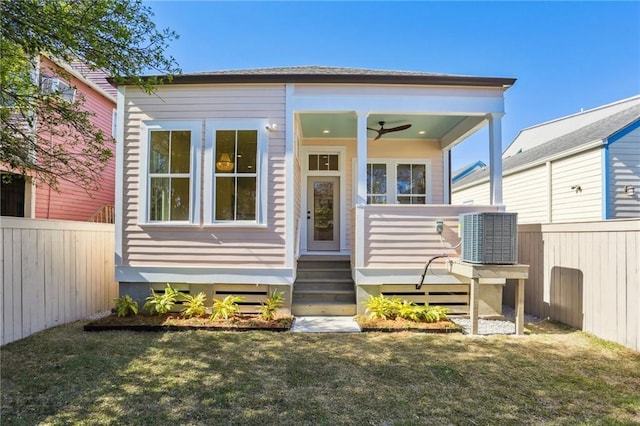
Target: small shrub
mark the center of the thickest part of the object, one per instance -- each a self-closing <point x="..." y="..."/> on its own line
<point x="194" y="305"/>
<point x="162" y="303"/>
<point x="434" y="313"/>
<point x="226" y="308"/>
<point x="381" y="307"/>
<point x="408" y="310"/>
<point x="271" y="305"/>
<point x="126" y="306"/>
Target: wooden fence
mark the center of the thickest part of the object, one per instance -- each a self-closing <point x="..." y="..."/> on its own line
<point x="53" y="272"/>
<point x="585" y="275"/>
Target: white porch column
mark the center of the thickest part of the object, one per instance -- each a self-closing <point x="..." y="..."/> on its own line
<point x="292" y="238"/>
<point x="361" y="198"/>
<point x="495" y="158"/>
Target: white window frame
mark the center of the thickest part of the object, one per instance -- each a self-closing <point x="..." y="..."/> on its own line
<point x="195" y="127"/>
<point x="392" y="176"/>
<point x="53" y="84"/>
<point x="386" y="194"/>
<point x="211" y="127"/>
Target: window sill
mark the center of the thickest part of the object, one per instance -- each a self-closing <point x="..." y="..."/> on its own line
<point x="236" y="225"/>
<point x="168" y="225"/>
<point x="230" y="225"/>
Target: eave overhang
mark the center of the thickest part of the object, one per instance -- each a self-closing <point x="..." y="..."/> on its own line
<point x="239" y="78"/>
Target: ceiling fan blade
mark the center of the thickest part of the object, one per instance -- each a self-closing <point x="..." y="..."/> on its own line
<point x="398" y="128"/>
<point x="373" y="130"/>
<point x="378" y="137"/>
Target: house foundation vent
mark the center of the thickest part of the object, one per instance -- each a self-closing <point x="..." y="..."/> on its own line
<point x="489" y="238"/>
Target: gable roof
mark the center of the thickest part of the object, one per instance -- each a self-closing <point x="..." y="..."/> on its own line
<point x="592" y="135"/>
<point x="533" y="136"/>
<point x="323" y="74"/>
<point x="466" y="170"/>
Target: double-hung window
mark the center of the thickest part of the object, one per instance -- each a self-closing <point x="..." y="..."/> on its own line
<point x="411" y="183"/>
<point x="236" y="175"/>
<point x="235" y="181"/>
<point x="52" y="84"/>
<point x="168" y="162"/>
<point x="397" y="182"/>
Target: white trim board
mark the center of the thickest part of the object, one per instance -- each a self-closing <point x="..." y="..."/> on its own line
<point x="305" y="150"/>
<point x="203" y="275"/>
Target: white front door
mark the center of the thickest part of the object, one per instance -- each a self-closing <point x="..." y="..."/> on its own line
<point x="323" y="213"/>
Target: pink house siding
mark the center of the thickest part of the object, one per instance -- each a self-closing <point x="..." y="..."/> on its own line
<point x="71" y="202"/>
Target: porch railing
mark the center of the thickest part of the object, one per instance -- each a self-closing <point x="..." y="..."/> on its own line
<point x="404" y="236"/>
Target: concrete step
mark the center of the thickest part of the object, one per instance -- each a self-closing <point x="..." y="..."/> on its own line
<point x="325" y="324"/>
<point x="317" y="309"/>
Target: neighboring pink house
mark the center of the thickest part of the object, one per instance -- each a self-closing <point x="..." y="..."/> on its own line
<point x="25" y="198"/>
<point x="330" y="184"/>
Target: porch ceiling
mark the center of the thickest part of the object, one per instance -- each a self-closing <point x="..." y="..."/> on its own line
<point x="343" y="125"/>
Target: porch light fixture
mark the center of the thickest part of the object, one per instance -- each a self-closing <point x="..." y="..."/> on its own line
<point x="224" y="163"/>
<point x="422" y="132"/>
<point x="576" y="188"/>
<point x="630" y="190"/>
<point x="272" y="127"/>
<point x="326" y="131"/>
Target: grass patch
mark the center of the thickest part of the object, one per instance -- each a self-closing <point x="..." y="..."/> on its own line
<point x="67" y="376"/>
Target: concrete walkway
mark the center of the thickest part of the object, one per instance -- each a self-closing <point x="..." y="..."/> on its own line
<point x="324" y="325"/>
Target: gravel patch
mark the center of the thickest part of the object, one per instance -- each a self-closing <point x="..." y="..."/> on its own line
<point x="489" y="327"/>
<point x="510" y="314"/>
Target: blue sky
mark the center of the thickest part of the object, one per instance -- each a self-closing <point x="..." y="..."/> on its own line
<point x="565" y="55"/>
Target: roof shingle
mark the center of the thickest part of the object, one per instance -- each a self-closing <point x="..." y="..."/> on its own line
<point x="324" y="74"/>
<point x="597" y="131"/>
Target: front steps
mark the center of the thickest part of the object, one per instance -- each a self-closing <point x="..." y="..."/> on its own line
<point x="324" y="287"/>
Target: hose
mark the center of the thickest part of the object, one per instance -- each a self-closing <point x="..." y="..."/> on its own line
<point x="419" y="285"/>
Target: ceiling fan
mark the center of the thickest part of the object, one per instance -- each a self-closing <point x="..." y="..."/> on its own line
<point x="381" y="131"/>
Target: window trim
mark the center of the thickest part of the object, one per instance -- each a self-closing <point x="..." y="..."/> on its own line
<point x="392" y="175"/>
<point x="114" y="123"/>
<point x="385" y="194"/>
<point x="195" y="127"/>
<point x="260" y="126"/>
<point x="52" y="84"/>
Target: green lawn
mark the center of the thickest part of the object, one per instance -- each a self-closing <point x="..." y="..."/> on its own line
<point x="556" y="376"/>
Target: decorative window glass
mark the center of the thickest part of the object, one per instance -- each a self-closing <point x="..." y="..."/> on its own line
<point x="236" y="154"/>
<point x="169" y="175"/>
<point x="324" y="162"/>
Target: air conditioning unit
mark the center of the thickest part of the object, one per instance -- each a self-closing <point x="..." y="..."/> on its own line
<point x="489" y="238"/>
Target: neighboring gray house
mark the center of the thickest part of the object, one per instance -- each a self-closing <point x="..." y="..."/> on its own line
<point x="582" y="167"/>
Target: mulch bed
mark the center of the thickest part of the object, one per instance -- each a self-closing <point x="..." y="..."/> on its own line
<point x="173" y="322"/>
<point x="399" y="324"/>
